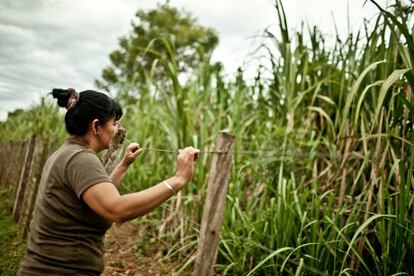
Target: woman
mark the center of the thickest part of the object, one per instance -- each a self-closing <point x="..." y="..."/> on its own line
<point x="78" y="200"/>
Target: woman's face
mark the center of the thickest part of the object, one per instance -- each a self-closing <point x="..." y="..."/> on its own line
<point x="107" y="133"/>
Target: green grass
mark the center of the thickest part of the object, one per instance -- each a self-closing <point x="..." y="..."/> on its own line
<point x="12" y="245"/>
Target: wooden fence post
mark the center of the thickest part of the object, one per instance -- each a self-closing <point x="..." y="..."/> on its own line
<point x="8" y="152"/>
<point x="16" y="163"/>
<point x="214" y="206"/>
<point x="50" y="148"/>
<point x="33" y="183"/>
<point x="10" y="162"/>
<point x="4" y="153"/>
<point x="113" y="154"/>
<point x="21" y="186"/>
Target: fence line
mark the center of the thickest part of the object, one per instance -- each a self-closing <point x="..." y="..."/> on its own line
<point x="21" y="169"/>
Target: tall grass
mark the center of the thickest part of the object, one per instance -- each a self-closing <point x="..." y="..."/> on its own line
<point x="335" y="194"/>
<point x="43" y="119"/>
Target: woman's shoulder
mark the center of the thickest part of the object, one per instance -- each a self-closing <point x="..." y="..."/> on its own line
<point x="81" y="153"/>
<point x="69" y="152"/>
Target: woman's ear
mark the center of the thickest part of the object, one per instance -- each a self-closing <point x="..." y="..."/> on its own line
<point x="95" y="125"/>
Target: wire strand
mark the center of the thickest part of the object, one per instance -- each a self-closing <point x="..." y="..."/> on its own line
<point x="252" y="152"/>
<point x="171" y="210"/>
<point x="171" y="151"/>
<point x="168" y="245"/>
<point x="123" y="248"/>
<point x="163" y="242"/>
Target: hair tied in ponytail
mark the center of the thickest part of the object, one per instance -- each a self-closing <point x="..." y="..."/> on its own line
<point x="73" y="99"/>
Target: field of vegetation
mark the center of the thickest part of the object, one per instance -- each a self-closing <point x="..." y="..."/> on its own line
<point x="12" y="243"/>
<point x="322" y="176"/>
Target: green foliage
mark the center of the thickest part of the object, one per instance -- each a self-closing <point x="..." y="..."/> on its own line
<point x="44" y="120"/>
<point x="11" y="242"/>
<point x="143" y="49"/>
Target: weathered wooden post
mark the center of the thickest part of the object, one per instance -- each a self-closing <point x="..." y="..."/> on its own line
<point x="21" y="186"/>
<point x="49" y="149"/>
<point x="214" y="206"/>
<point x="113" y="154"/>
<point x="8" y="164"/>
<point x="29" y="204"/>
<point x="31" y="184"/>
<point x="16" y="161"/>
<point x="4" y="156"/>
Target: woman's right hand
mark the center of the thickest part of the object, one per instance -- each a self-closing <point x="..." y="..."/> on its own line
<point x="185" y="163"/>
<point x="131" y="153"/>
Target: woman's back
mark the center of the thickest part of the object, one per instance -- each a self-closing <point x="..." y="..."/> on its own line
<point x="66" y="235"/>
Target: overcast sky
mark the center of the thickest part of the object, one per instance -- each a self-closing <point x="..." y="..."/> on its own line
<point x="57" y="43"/>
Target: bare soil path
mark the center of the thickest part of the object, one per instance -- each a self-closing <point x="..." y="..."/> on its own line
<point x="128" y="252"/>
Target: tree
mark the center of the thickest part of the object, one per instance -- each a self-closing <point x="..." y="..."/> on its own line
<point x="147" y="46"/>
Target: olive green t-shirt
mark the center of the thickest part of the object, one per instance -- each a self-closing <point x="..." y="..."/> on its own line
<point x="66" y="236"/>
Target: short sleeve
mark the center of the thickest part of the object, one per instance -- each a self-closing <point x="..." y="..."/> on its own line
<point x="84" y="170"/>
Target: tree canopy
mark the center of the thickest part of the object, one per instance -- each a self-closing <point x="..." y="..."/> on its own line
<point x="146" y="47"/>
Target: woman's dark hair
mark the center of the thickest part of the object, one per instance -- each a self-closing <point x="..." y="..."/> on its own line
<point x="89" y="105"/>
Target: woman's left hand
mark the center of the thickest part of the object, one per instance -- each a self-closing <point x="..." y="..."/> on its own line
<point x="131" y="153"/>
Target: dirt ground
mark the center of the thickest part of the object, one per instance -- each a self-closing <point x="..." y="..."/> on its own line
<point x="129" y="252"/>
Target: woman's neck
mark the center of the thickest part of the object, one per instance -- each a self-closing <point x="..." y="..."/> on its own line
<point x="87" y="141"/>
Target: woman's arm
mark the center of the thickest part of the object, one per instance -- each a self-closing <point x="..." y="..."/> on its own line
<point x="131" y="153"/>
<point x="118" y="174"/>
<point x="106" y="201"/>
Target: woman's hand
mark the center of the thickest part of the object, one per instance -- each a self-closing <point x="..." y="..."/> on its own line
<point x="185" y="164"/>
<point x="131" y="153"/>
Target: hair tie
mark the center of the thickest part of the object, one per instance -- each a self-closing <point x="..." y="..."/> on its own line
<point x="73" y="99"/>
